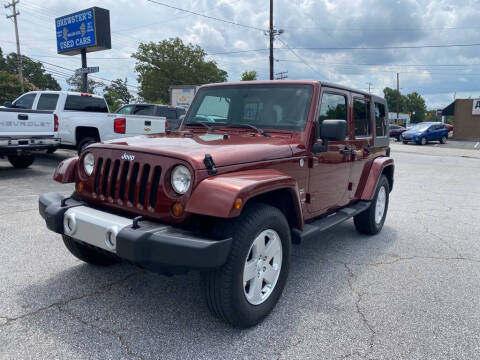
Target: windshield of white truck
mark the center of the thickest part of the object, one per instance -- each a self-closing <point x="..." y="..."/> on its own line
<point x="272" y="106"/>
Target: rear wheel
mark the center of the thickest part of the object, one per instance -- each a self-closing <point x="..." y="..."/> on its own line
<point x="85" y="142"/>
<point x="443" y="139"/>
<point x="371" y="220"/>
<point x="52" y="150"/>
<point x="21" y="161"/>
<point x="246" y="289"/>
<point x="89" y="254"/>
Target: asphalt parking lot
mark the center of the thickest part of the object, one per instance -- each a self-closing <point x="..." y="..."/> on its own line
<point x="411" y="292"/>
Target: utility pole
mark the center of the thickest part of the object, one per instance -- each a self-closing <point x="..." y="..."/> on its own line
<point x="271" y="39"/>
<point x="83" y="53"/>
<point x="369" y="87"/>
<point x="398" y="95"/>
<point x="14" y="15"/>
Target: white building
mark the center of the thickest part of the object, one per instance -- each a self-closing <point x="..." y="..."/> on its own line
<point x="403" y="119"/>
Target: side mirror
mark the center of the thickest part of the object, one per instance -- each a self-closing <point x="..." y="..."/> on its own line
<point x="334" y="130"/>
<point x="8" y="104"/>
<point x="181" y="117"/>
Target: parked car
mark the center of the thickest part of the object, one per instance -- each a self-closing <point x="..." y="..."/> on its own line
<point x="424" y="132"/>
<point x="24" y="131"/>
<point x="174" y="115"/>
<point x="83" y="119"/>
<point x="396" y="131"/>
<point x="280" y="163"/>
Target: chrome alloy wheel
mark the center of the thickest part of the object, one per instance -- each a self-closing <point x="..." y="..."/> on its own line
<point x="380" y="204"/>
<point x="262" y="267"/>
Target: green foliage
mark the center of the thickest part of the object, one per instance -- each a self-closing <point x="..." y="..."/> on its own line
<point x="432" y="116"/>
<point x="249" y="75"/>
<point x="171" y="62"/>
<point x="412" y="104"/>
<point x="116" y="94"/>
<point x="33" y="72"/>
<point x="10" y="87"/>
<point x="75" y="84"/>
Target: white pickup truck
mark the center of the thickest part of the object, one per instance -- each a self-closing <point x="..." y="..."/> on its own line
<point x="83" y="119"/>
<point x="24" y="131"/>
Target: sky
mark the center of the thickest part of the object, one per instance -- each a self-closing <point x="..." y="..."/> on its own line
<point x="321" y="39"/>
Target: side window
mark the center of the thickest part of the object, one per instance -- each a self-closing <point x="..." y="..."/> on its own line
<point x="25" y="102"/>
<point x="333" y="106"/>
<point x="47" y="102"/>
<point x="125" y="110"/>
<point x="144" y="110"/>
<point x="85" y="103"/>
<point x="361" y="117"/>
<point x="380" y="121"/>
<point x="162" y="111"/>
<point x="171" y="114"/>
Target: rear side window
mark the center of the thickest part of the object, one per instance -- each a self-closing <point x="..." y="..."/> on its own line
<point x="25" y="102"/>
<point x="380" y="123"/>
<point x="85" y="103"/>
<point x="144" y="110"/>
<point x="47" y="102"/>
<point x="171" y="114"/>
<point x="334" y="106"/>
<point x="361" y="117"/>
<point x="162" y="111"/>
<point x="125" y="110"/>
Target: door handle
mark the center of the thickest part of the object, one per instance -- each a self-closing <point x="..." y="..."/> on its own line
<point x="22" y="117"/>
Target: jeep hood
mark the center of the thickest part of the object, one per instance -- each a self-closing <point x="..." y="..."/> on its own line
<point x="225" y="149"/>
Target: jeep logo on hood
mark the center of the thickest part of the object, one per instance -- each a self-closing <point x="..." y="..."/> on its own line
<point x="128" y="157"/>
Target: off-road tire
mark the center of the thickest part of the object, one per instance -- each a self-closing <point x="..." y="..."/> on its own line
<point x="84" y="143"/>
<point x="89" y="254"/>
<point x="365" y="222"/>
<point x="443" y="139"/>
<point x="223" y="287"/>
<point x="21" y="161"/>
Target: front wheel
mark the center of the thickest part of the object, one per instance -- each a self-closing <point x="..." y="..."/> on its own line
<point x="371" y="221"/>
<point x="21" y="161"/>
<point x="443" y="139"/>
<point x="84" y="143"/>
<point x="246" y="289"/>
<point x="423" y="141"/>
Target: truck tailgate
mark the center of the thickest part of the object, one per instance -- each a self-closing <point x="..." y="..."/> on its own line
<point x="18" y="122"/>
<point x="140" y="125"/>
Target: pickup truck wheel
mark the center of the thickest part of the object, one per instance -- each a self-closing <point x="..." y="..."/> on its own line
<point x="21" y="161"/>
<point x="371" y="220"/>
<point x="443" y="139"/>
<point x="52" y="150"/>
<point x="89" y="254"/>
<point x="85" y="142"/>
<point x="245" y="290"/>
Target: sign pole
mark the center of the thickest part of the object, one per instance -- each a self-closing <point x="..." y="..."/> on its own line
<point x="83" y="52"/>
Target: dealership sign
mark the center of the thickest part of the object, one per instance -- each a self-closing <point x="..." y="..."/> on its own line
<point x="87" y="29"/>
<point x="476" y="107"/>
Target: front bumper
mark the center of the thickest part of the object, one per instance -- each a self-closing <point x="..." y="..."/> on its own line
<point x="153" y="246"/>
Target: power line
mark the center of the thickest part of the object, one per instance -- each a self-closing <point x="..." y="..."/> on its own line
<point x="298" y="56"/>
<point x="207" y="16"/>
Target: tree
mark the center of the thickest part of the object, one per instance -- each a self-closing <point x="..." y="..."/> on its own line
<point x="171" y="62"/>
<point x="416" y="106"/>
<point x="249" y="75"/>
<point x="75" y="84"/>
<point x="117" y="94"/>
<point x="3" y="64"/>
<point x="10" y="87"/>
<point x="33" y="72"/>
<point x="391" y="97"/>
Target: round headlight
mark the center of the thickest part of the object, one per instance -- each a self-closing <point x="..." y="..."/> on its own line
<point x="181" y="179"/>
<point x="88" y="163"/>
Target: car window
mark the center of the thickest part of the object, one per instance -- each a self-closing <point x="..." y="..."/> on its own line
<point x="180" y="112"/>
<point x="171" y="114"/>
<point x="25" y="102"/>
<point x="361" y="117"/>
<point x="85" y="103"/>
<point x="144" y="110"/>
<point x="47" y="102"/>
<point x="127" y="109"/>
<point x="380" y="123"/>
<point x="162" y="111"/>
<point x="334" y="106"/>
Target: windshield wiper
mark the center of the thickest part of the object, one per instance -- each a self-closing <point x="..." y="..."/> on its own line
<point x="260" y="131"/>
<point x="196" y="123"/>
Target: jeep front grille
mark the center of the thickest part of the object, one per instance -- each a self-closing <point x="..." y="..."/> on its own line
<point x="126" y="182"/>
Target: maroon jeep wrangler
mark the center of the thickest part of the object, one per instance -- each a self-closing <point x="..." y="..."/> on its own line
<point x="255" y="167"/>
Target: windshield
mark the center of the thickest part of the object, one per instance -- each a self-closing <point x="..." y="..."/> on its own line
<point x="283" y="107"/>
<point x="420" y="127"/>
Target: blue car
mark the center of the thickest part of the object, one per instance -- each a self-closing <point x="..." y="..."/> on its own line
<point x="424" y="132"/>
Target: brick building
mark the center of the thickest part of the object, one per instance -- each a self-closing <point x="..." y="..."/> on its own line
<point x="466" y="114"/>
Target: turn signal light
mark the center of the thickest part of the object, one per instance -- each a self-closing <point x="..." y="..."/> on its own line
<point x="55" y="122"/>
<point x="237" y="204"/>
<point x="79" y="187"/>
<point x="177" y="209"/>
<point x="119" y="125"/>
